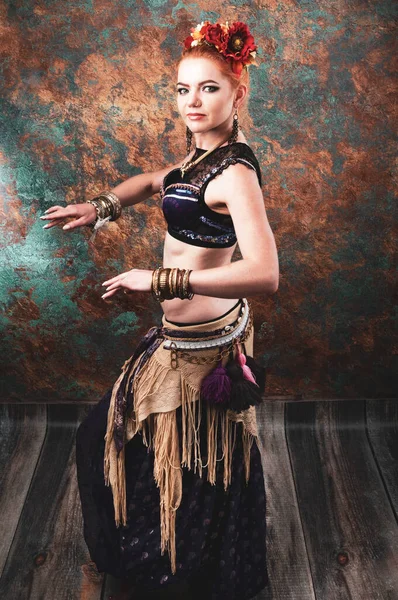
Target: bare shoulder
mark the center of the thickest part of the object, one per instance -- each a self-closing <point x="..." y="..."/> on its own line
<point x="237" y="180"/>
<point x="239" y="173"/>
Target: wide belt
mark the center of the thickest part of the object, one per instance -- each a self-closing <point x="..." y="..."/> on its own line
<point x="173" y="342"/>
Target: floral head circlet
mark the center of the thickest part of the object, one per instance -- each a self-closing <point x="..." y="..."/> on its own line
<point x="234" y="42"/>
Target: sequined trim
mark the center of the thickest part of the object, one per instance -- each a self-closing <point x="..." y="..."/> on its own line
<point x="214" y="224"/>
<point x="216" y="239"/>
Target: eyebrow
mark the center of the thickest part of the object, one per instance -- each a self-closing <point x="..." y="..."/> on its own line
<point x="201" y="83"/>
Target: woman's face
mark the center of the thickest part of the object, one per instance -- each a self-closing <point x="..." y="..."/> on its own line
<point x="202" y="88"/>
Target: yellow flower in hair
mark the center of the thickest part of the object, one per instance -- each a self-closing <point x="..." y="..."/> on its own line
<point x="197" y="33"/>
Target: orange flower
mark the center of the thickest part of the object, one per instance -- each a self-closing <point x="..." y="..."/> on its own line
<point x="197" y="34"/>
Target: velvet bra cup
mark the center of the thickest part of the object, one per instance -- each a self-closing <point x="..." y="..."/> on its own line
<point x="188" y="217"/>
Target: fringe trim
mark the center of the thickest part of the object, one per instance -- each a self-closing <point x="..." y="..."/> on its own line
<point x="160" y="434"/>
<point x="168" y="476"/>
<point x="114" y="468"/>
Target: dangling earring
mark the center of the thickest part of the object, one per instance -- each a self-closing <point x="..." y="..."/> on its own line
<point x="235" y="128"/>
<point x="188" y="137"/>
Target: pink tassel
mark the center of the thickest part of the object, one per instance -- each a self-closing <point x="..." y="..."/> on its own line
<point x="247" y="372"/>
<point x="216" y="386"/>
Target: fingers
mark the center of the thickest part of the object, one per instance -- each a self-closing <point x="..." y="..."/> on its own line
<point x="76" y="223"/>
<point x="116" y="289"/>
<point x="55" y="212"/>
<point x="49" y="225"/>
<point x="57" y="215"/>
<point x="111" y="292"/>
<point x="52" y="209"/>
<point x="108" y="294"/>
<point x="118" y="283"/>
<point x="115" y="279"/>
<point x="114" y="285"/>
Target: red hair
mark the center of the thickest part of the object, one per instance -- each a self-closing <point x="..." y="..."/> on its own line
<point x="210" y="52"/>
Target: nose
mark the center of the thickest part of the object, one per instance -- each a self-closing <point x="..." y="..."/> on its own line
<point x="194" y="99"/>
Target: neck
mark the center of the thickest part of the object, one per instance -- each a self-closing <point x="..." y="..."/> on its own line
<point x="211" y="138"/>
<point x="190" y="163"/>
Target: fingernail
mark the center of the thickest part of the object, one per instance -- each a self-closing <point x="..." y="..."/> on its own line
<point x="45" y="226"/>
<point x="66" y="227"/>
<point x="42" y="217"/>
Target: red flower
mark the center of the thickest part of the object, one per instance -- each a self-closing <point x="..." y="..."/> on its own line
<point x="239" y="44"/>
<point x="215" y="35"/>
<point x="236" y="66"/>
<point x="188" y="41"/>
<point x="234" y="42"/>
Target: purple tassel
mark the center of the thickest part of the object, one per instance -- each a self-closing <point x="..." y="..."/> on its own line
<point x="216" y="386"/>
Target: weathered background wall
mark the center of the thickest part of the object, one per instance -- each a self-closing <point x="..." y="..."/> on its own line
<point x="88" y="100"/>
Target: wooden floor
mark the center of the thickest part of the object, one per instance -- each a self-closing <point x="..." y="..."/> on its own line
<point x="331" y="474"/>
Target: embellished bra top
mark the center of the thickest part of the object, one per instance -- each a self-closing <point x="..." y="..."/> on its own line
<point x="188" y="217"/>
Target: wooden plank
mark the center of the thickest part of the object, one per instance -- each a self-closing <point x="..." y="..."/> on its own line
<point x="344" y="475"/>
<point x="288" y="567"/>
<point x="22" y="431"/>
<point x="350" y="529"/>
<point x="382" y="426"/>
<point x="48" y="558"/>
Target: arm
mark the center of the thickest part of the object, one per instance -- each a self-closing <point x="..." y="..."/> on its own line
<point x="258" y="271"/>
<point x="141" y="187"/>
<point x="131" y="191"/>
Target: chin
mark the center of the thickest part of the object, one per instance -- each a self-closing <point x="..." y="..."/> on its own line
<point x="198" y="127"/>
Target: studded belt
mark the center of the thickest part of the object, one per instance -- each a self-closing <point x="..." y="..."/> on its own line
<point x="222" y="336"/>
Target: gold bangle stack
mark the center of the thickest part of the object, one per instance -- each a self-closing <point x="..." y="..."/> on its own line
<point x="171" y="283"/>
<point x="106" y="204"/>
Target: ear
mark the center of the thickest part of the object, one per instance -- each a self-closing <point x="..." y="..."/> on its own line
<point x="240" y="94"/>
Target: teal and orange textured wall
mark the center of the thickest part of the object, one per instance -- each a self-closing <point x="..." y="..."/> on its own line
<point x="88" y="100"/>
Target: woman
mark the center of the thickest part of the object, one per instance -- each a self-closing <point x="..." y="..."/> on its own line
<point x="183" y="498"/>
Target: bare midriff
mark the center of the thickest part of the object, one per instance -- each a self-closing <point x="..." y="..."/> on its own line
<point x="184" y="256"/>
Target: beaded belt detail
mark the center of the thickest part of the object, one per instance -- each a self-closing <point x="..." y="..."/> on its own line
<point x="176" y="344"/>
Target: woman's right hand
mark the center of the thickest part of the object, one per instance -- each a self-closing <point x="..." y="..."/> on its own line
<point x="83" y="214"/>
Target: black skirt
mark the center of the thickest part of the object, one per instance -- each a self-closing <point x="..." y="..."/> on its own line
<point x="220" y="535"/>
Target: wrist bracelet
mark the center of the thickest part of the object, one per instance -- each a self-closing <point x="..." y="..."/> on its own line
<point x="107" y="208"/>
<point x="155" y="284"/>
<point x="168" y="283"/>
<point x="114" y="203"/>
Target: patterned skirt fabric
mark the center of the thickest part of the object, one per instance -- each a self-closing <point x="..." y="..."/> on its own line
<point x="220" y="535"/>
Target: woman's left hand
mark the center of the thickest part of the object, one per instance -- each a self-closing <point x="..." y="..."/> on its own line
<point x="136" y="280"/>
